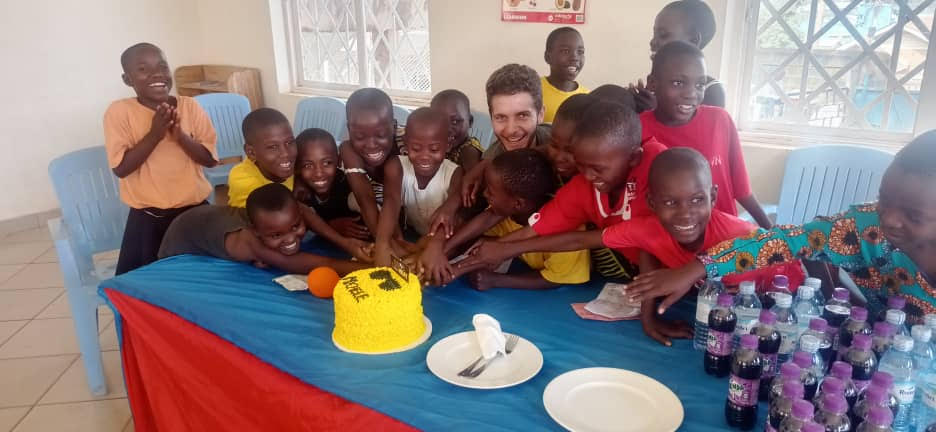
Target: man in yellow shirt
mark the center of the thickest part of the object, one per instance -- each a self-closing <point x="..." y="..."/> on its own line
<point x="565" y="54"/>
<point x="271" y="155"/>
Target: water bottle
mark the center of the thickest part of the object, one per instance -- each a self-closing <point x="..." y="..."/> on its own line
<point x="843" y="371"/>
<point x="747" y="308"/>
<point x="741" y="406"/>
<point x="929" y="320"/>
<point x="922" y="349"/>
<point x="819" y="329"/>
<point x="816" y="285"/>
<point x="782" y="406"/>
<point x="779" y="285"/>
<point x="721" y="323"/>
<point x="881" y="338"/>
<point x="830" y="385"/>
<point x="707" y="299"/>
<point x="862" y="361"/>
<point x="925" y="404"/>
<point x="787" y="325"/>
<point x="768" y="343"/>
<point x="788" y="372"/>
<point x="857" y="323"/>
<point x="807" y="375"/>
<point x="801" y="413"/>
<point x="874" y="396"/>
<point x="893" y="302"/>
<point x="835" y="314"/>
<point x="805" y="307"/>
<point x="897" y="318"/>
<point x="810" y="344"/>
<point x="899" y="363"/>
<point x="878" y="420"/>
<point x="834" y="414"/>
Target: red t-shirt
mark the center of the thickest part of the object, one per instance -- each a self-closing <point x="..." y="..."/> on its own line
<point x="647" y="234"/>
<point x="712" y="132"/>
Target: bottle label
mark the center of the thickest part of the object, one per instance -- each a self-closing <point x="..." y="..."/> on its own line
<point x="929" y="396"/>
<point x="904" y="391"/>
<point x="718" y="343"/>
<point x="743" y="392"/>
<point x="744" y="326"/>
<point x="769" y="365"/>
<point x="702" y="311"/>
<point x="787" y="338"/>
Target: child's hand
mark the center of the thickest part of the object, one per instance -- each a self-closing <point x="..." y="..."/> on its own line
<point x="486" y="252"/>
<point x="644" y="99"/>
<point x="662" y="330"/>
<point x="162" y="120"/>
<point x="350" y="227"/>
<point x="360" y="250"/>
<point x="434" y="266"/>
<point x="471" y="185"/>
<point x="481" y="280"/>
<point x="443" y="222"/>
<point x="301" y="192"/>
<point x="671" y="284"/>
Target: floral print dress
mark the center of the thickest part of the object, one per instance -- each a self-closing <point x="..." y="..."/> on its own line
<point x="852" y="240"/>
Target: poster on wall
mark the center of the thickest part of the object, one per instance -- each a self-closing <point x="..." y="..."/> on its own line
<point x="544" y="11"/>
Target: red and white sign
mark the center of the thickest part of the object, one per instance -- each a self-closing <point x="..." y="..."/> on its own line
<point x="544" y="11"/>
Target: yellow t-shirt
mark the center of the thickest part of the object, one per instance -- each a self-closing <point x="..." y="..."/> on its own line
<point x="243" y="179"/>
<point x="553" y="97"/>
<point x="556" y="267"/>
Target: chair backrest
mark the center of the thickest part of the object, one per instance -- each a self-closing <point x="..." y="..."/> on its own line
<point x="400" y="114"/>
<point x="90" y="200"/>
<point x="824" y="180"/>
<point x="227" y="112"/>
<point x="482" y="129"/>
<point x="323" y="113"/>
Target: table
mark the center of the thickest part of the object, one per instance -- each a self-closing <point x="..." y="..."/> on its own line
<point x="285" y="338"/>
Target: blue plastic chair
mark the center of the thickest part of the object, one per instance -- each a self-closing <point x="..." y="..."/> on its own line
<point x="482" y="129"/>
<point x="323" y="113"/>
<point x="826" y="179"/>
<point x="227" y="112"/>
<point x="400" y="114"/>
<point x="93" y="221"/>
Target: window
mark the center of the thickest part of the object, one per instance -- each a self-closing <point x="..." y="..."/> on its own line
<point x="835" y="67"/>
<point x="343" y="45"/>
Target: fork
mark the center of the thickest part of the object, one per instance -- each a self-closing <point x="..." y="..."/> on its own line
<point x="512" y="341"/>
<point x="467" y="370"/>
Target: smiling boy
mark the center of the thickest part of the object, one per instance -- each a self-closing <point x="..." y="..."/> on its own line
<point x="565" y="55"/>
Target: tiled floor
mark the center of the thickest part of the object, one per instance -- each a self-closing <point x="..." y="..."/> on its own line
<point x="42" y="379"/>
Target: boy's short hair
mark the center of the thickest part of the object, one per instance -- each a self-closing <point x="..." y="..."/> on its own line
<point x="314" y="134"/>
<point x="672" y="50"/>
<point x="451" y="95"/>
<point x="573" y="108"/>
<point x="368" y="98"/>
<point x="678" y="159"/>
<point x="919" y="156"/>
<point x="700" y="17"/>
<point x="617" y="122"/>
<point x="271" y="197"/>
<point x="261" y="118"/>
<point x="553" y="35"/>
<point x="514" y="78"/>
<point x="615" y="93"/>
<point x="421" y="117"/>
<point x="129" y="52"/>
<point x="526" y="173"/>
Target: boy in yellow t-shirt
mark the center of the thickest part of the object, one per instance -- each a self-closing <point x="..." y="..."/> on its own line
<point x="271" y="155"/>
<point x="565" y="54"/>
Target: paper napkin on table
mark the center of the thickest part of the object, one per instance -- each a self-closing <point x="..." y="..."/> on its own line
<point x="490" y="338"/>
<point x="612" y="303"/>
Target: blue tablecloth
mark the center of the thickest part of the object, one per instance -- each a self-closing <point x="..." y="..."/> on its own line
<point x="292" y="331"/>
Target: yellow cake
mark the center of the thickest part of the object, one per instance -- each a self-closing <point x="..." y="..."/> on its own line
<point x="377" y="310"/>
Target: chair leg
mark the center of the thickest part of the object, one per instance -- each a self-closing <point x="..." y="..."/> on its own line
<point x="85" y="316"/>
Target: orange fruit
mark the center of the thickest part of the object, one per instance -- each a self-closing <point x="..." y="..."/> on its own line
<point x="322" y="281"/>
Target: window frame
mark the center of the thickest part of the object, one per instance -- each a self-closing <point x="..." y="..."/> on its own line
<point x="737" y="69"/>
<point x="299" y="85"/>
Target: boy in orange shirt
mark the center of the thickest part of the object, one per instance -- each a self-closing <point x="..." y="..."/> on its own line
<point x="157" y="145"/>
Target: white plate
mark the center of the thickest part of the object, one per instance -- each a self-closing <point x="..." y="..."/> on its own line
<point x="608" y="399"/>
<point x="416" y="343"/>
<point x="449" y="356"/>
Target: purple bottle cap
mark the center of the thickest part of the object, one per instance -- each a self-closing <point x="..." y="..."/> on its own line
<point x="896" y="302"/>
<point x="789" y="371"/>
<point x="880" y="416"/>
<point x="768" y="317"/>
<point x="883" y="329"/>
<point x="841" y="370"/>
<point x="834" y="403"/>
<point x="802" y="359"/>
<point x="861" y="342"/>
<point x="876" y="395"/>
<point x="792" y="389"/>
<point x="812" y="426"/>
<point x="749" y="341"/>
<point x="803" y="409"/>
<point x="818" y="324"/>
<point x="781" y="281"/>
<point x="833" y="385"/>
<point x="859" y="313"/>
<point x="883" y="380"/>
<point x="840" y="294"/>
<point x="725" y="299"/>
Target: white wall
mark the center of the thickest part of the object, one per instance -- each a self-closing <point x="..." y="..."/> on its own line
<point x="61" y="69"/>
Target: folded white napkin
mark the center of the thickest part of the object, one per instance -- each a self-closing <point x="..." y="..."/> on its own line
<point x="490" y="338"/>
<point x="613" y="303"/>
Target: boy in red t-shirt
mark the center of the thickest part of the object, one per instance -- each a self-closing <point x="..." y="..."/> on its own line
<point x="678" y="80"/>
<point x="611" y="186"/>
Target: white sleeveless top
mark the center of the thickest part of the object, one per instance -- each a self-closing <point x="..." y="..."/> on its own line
<point x="420" y="204"/>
